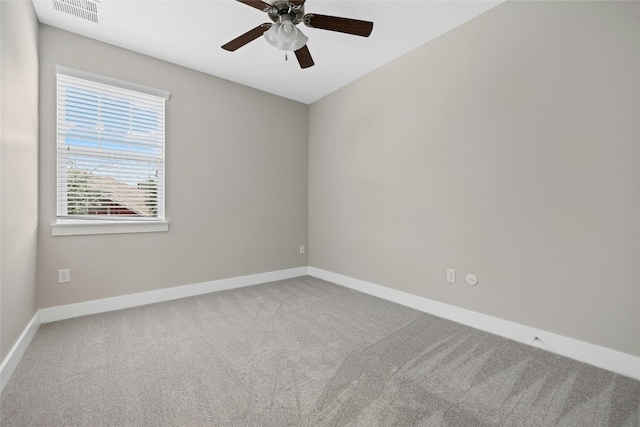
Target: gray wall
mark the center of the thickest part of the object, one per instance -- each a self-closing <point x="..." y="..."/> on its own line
<point x="18" y="169"/>
<point x="236" y="182"/>
<point x="508" y="148"/>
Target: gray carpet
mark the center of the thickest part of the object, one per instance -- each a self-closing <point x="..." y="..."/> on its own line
<point x="300" y="352"/>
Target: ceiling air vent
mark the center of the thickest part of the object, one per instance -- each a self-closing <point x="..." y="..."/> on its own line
<point x="85" y="9"/>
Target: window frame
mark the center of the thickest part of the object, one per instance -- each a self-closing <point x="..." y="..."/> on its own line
<point x="78" y="226"/>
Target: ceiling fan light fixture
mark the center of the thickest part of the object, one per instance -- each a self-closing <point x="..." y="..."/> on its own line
<point x="287" y="32"/>
<point x="284" y="35"/>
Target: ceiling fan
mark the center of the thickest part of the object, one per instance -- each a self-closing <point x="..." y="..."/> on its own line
<point x="283" y="33"/>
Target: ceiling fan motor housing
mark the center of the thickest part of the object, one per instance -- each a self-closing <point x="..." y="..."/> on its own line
<point x="283" y="7"/>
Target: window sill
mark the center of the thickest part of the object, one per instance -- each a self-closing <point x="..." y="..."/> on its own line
<point x="79" y="228"/>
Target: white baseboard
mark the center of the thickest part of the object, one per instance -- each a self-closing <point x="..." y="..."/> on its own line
<point x="62" y="312"/>
<point x="10" y="362"/>
<point x="602" y="357"/>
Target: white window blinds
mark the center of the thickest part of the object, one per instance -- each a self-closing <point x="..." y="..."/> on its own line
<point x="110" y="155"/>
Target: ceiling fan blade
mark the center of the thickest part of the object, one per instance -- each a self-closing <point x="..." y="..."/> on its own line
<point x="304" y="57"/>
<point x="342" y="25"/>
<point x="247" y="37"/>
<point x="260" y="5"/>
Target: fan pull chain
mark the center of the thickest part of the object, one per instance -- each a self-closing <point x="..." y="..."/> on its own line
<point x="285" y="56"/>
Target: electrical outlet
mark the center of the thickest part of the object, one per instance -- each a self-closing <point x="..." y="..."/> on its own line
<point x="302" y="249"/>
<point x="64" y="275"/>
<point x="451" y="275"/>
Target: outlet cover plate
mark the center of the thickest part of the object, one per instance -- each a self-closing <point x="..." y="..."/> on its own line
<point x="451" y="275"/>
<point x="64" y="275"/>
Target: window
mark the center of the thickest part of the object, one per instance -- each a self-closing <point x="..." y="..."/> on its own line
<point x="110" y="154"/>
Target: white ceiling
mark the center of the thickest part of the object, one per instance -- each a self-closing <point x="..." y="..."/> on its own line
<point x="190" y="33"/>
